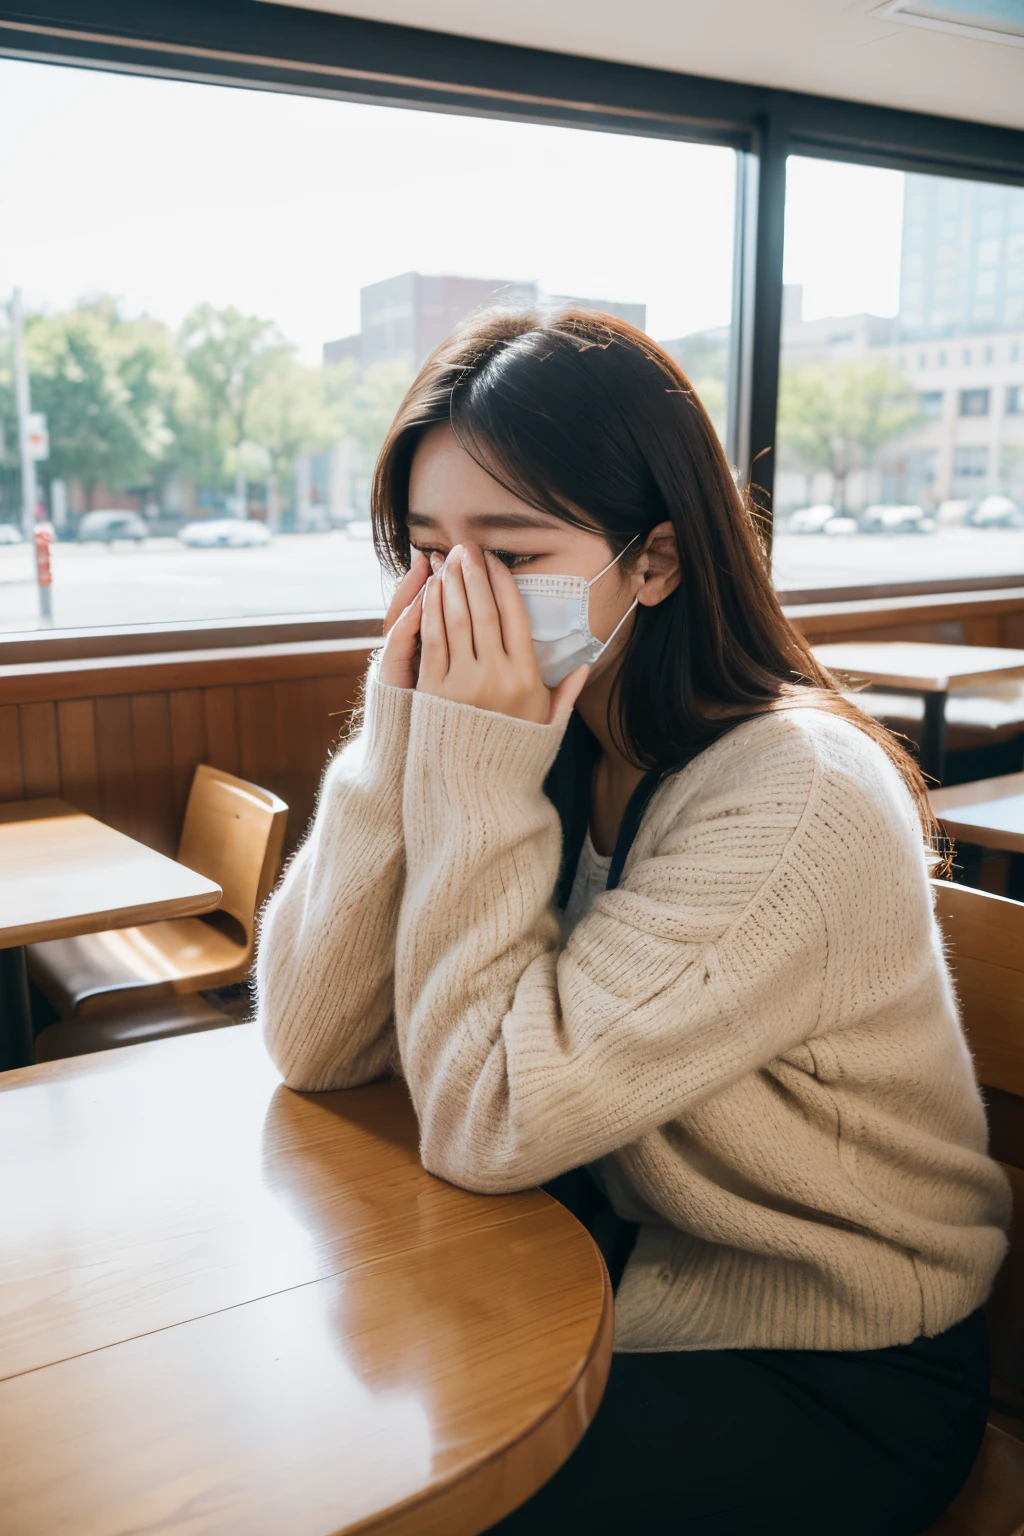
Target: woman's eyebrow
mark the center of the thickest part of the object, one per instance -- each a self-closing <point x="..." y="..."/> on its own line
<point x="491" y="520"/>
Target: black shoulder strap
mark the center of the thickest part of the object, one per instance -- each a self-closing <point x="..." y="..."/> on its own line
<point x="639" y="800"/>
<point x="567" y="786"/>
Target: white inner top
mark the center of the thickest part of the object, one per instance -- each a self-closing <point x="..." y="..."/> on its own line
<point x="591" y="879"/>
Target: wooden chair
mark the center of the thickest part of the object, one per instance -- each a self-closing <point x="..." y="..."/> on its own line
<point x="233" y="833"/>
<point x="985" y="938"/>
<point x="983" y="716"/>
<point x="162" y="1020"/>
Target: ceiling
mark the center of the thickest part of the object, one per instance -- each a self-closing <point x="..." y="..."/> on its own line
<point x="843" y="48"/>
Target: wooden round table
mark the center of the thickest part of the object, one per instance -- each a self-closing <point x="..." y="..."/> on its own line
<point x="225" y="1306"/>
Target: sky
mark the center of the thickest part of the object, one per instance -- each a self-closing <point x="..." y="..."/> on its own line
<point x="167" y="193"/>
<point x="843" y="234"/>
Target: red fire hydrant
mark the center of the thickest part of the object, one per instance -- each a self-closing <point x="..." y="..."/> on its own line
<point x="44" y="569"/>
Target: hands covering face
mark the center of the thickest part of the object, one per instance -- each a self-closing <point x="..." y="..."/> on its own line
<point x="463" y="634"/>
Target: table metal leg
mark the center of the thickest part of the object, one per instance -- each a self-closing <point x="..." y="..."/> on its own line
<point x="17" y="1047"/>
<point x="933" y="738"/>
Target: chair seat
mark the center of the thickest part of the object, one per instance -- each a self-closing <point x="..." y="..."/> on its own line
<point x="975" y="717"/>
<point x="129" y="1026"/>
<point x="126" y="966"/>
<point x="991" y="1502"/>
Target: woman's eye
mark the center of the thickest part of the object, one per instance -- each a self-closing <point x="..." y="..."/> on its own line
<point x="507" y="558"/>
<point x="504" y="555"/>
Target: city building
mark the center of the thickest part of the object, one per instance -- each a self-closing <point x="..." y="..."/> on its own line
<point x="403" y="318"/>
<point x="968" y="441"/>
<point x="957" y="340"/>
<point x="962" y="264"/>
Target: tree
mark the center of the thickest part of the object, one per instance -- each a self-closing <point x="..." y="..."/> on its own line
<point x="838" y="416"/>
<point x="104" y="384"/>
<point x="296" y="410"/>
<point x="704" y="358"/>
<point x="227" y="355"/>
<point x="367" y="405"/>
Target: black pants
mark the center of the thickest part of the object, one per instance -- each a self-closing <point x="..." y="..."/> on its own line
<point x="766" y="1442"/>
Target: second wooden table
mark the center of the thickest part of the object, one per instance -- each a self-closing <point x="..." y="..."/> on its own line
<point x="64" y="873"/>
<point x="931" y="670"/>
<point x="987" y="812"/>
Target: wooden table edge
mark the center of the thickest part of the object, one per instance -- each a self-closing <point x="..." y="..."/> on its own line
<point x="953" y="808"/>
<point x="468" y="1503"/>
<point x="1007" y="786"/>
<point x="470" y="1500"/>
<point x="905" y="682"/>
<point x="117" y="917"/>
<point x="982" y="836"/>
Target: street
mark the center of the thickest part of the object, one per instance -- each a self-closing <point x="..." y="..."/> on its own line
<point x="864" y="559"/>
<point x="162" y="581"/>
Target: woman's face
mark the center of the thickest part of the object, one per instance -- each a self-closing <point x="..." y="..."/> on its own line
<point x="453" y="501"/>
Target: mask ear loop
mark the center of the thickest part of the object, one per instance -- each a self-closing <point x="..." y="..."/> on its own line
<point x="634" y="604"/>
<point x="585" y="606"/>
<point x="616" y="560"/>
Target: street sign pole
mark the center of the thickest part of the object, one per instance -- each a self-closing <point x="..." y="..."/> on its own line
<point x="44" y="570"/>
<point x="29" y="491"/>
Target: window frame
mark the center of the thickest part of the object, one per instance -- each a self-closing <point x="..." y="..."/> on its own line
<point x="971" y="397"/>
<point x="319" y="53"/>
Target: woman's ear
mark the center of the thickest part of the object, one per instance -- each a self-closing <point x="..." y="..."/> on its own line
<point x="659" y="566"/>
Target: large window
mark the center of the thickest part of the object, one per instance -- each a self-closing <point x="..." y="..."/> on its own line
<point x="900" y="439"/>
<point x="226" y="292"/>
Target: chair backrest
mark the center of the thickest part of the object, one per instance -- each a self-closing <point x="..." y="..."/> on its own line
<point x="985" y="942"/>
<point x="233" y="833"/>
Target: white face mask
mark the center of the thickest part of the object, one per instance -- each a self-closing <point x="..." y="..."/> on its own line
<point x="559" y="611"/>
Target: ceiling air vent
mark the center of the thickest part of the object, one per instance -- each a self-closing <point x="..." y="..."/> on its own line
<point x="989" y="21"/>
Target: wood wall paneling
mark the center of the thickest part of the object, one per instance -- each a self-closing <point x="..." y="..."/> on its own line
<point x="985" y="631"/>
<point x="115" y="749"/>
<point x="121" y="736"/>
<point x="127" y="751"/>
<point x="259" y="749"/>
<point x="221" y="715"/>
<point x="154" y="768"/>
<point x="40" y="755"/>
<point x="188" y="742"/>
<point x="12" y="779"/>
<point x="79" y="759"/>
<point x="994" y="617"/>
<point x="295" y="715"/>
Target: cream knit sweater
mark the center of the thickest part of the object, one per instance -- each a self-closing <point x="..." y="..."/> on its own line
<point x="754" y="1035"/>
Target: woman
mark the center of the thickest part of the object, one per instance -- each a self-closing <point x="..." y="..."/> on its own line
<point x="735" y="1050"/>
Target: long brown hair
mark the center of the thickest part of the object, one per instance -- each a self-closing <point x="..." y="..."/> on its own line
<point x="583" y="416"/>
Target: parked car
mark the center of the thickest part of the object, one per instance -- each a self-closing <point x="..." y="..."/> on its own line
<point x="898" y="518"/>
<point x="954" y="512"/>
<point x="108" y="524"/>
<point x="996" y="512"/>
<point x="10" y="533"/>
<point x="811" y="519"/>
<point x="225" y="533"/>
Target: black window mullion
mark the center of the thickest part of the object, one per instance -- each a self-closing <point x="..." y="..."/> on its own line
<point x="760" y="353"/>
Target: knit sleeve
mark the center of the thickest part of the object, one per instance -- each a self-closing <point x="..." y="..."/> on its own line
<point x="325" y="966"/>
<point x="707" y="962"/>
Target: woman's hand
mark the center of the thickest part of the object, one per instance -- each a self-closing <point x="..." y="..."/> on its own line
<point x="476" y="646"/>
<point x="399" y="664"/>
